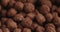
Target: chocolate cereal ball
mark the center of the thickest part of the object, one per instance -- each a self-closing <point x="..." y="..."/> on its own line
<point x="17" y="30"/>
<point x="56" y="21"/>
<point x="27" y="22"/>
<point x="26" y="30"/>
<point x="19" y="6"/>
<point x="6" y="30"/>
<point x="40" y="18"/>
<point x="46" y="2"/>
<point x="1" y="30"/>
<point x="49" y="17"/>
<point x="44" y="9"/>
<point x="11" y="12"/>
<point x="55" y="14"/>
<point x="29" y="7"/>
<point x="50" y="27"/>
<point x="31" y="15"/>
<point x="11" y="3"/>
<point x="34" y="26"/>
<point x="40" y="29"/>
<point x="5" y="2"/>
<point x="18" y="17"/>
<point x="11" y="24"/>
<point x="4" y="20"/>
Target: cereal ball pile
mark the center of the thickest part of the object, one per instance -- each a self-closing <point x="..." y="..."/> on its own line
<point x="29" y="15"/>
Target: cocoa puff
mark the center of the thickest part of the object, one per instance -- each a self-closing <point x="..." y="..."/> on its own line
<point x="11" y="3"/>
<point x="46" y="2"/>
<point x="27" y="22"/>
<point x="4" y="20"/>
<point x="56" y="21"/>
<point x="40" y="29"/>
<point x="18" y="17"/>
<point x="44" y="9"/>
<point x="11" y="24"/>
<point x="11" y="12"/>
<point x="29" y="7"/>
<point x="58" y="29"/>
<point x="19" y="6"/>
<point x="49" y="17"/>
<point x="26" y="30"/>
<point x="5" y="30"/>
<point x="40" y="18"/>
<point x="5" y="2"/>
<point x="1" y="30"/>
<point x="4" y="13"/>
<point x="17" y="30"/>
<point x="34" y="26"/>
<point x="55" y="14"/>
<point x="31" y="15"/>
<point x="50" y="27"/>
<point x="58" y="10"/>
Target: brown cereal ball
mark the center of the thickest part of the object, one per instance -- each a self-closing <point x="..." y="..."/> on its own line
<point x="4" y="13"/>
<point x="58" y="10"/>
<point x="19" y="6"/>
<point x="29" y="7"/>
<point x="50" y="27"/>
<point x="40" y="29"/>
<point x="18" y="17"/>
<point x="27" y="22"/>
<point x="58" y="29"/>
<point x="44" y="9"/>
<point x="11" y="3"/>
<point x="5" y="30"/>
<point x="11" y="12"/>
<point x="40" y="18"/>
<point x="17" y="30"/>
<point x="5" y="2"/>
<point x="55" y="14"/>
<point x="34" y="26"/>
<point x="31" y="15"/>
<point x="11" y="24"/>
<point x="49" y="17"/>
<point x="4" y="20"/>
<point x="27" y="30"/>
<point x="28" y="1"/>
<point x="46" y="2"/>
<point x="1" y="30"/>
<point x="56" y="21"/>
